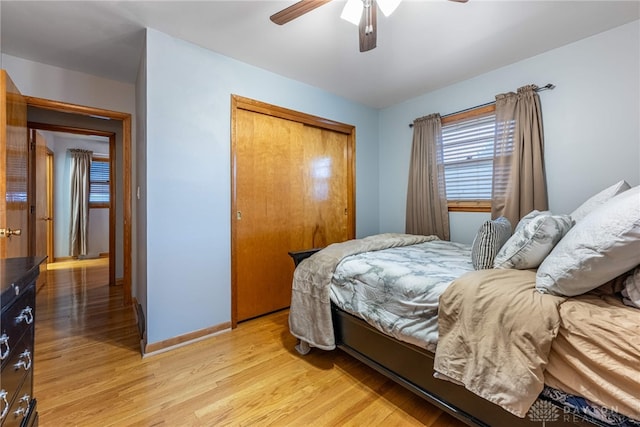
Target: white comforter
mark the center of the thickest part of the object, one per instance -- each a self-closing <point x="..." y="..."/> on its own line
<point x="397" y="290"/>
<point x="310" y="312"/>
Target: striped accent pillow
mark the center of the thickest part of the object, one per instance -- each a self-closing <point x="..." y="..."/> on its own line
<point x="488" y="241"/>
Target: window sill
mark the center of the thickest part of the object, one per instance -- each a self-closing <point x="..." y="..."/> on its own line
<point x="469" y="205"/>
<point x="98" y="205"/>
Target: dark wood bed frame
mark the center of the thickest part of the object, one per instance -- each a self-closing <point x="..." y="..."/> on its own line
<point x="412" y="367"/>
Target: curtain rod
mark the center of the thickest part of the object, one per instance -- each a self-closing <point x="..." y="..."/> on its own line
<point x="548" y="86"/>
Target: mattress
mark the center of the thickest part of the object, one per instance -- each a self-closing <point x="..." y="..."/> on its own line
<point x="577" y="407"/>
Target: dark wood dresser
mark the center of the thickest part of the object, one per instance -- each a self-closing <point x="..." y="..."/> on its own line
<point x="17" y="333"/>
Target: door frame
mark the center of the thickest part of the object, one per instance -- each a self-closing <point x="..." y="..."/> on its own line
<point x="125" y="118"/>
<point x="50" y="198"/>
<point x="112" y="187"/>
<point x="248" y="104"/>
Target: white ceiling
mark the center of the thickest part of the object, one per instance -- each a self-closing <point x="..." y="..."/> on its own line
<point x="423" y="46"/>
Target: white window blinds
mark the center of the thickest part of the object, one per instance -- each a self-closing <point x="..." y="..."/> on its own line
<point x="468" y="149"/>
<point x="99" y="182"/>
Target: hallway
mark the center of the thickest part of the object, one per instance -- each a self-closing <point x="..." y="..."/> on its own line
<point x="83" y="333"/>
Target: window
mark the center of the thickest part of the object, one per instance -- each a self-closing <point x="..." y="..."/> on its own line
<point x="99" y="183"/>
<point x="468" y="143"/>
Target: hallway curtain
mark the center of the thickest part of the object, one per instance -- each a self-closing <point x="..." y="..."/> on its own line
<point x="519" y="183"/>
<point x="427" y="211"/>
<point x="80" y="169"/>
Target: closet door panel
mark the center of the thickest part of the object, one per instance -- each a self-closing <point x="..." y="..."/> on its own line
<point x="325" y="189"/>
<point x="290" y="194"/>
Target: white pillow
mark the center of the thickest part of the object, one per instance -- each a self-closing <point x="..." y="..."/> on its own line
<point x="534" y="238"/>
<point x="605" y="244"/>
<point x="598" y="199"/>
<point x="488" y="241"/>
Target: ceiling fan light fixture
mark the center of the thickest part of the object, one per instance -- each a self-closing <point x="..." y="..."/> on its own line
<point x="388" y="6"/>
<point x="352" y="11"/>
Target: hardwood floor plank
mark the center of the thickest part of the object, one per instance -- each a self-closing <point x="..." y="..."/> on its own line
<point x="89" y="371"/>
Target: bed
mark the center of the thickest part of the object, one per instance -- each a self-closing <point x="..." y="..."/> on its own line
<point x="491" y="346"/>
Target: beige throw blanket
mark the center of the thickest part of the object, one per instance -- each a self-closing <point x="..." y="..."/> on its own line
<point x="495" y="334"/>
<point x="310" y="312"/>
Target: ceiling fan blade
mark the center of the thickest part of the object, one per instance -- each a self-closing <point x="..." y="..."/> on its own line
<point x="296" y="10"/>
<point x="367" y="27"/>
<point x="460" y="1"/>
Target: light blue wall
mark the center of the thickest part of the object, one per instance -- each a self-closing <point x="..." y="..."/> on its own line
<point x="187" y="194"/>
<point x="591" y="123"/>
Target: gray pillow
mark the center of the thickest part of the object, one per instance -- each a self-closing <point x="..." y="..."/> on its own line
<point x="603" y="245"/>
<point x="488" y="241"/>
<point x="528" y="217"/>
<point x="535" y="236"/>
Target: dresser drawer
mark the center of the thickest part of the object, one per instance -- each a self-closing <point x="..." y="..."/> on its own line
<point x="19" y="364"/>
<point x="17" y="332"/>
<point x="22" y="406"/>
<point x="16" y="319"/>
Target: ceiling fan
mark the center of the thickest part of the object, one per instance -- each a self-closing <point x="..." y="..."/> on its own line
<point x="359" y="12"/>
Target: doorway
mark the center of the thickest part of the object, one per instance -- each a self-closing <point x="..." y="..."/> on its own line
<point x="58" y="140"/>
<point x="61" y="112"/>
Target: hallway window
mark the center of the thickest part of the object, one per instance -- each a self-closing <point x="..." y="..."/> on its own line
<point x="99" y="183"/>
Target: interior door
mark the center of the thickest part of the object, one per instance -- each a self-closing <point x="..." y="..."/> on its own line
<point x="292" y="192"/>
<point x="14" y="182"/>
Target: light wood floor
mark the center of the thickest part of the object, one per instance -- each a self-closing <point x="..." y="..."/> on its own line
<point x="89" y="371"/>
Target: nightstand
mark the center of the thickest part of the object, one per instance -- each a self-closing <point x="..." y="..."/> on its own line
<point x="298" y="256"/>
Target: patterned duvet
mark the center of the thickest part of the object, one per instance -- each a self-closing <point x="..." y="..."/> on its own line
<point x="396" y="290"/>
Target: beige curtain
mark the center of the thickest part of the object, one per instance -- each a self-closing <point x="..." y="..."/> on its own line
<point x="427" y="212"/>
<point x="80" y="169"/>
<point x="519" y="183"/>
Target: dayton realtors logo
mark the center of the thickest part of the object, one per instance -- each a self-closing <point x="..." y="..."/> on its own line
<point x="543" y="411"/>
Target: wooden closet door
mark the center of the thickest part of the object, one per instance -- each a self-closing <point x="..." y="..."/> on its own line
<point x="324" y="188"/>
<point x="291" y="193"/>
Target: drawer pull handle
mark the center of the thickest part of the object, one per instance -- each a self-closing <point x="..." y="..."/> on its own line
<point x="5" y="404"/>
<point x="26" y="314"/>
<point x="23" y="410"/>
<point x="21" y="363"/>
<point x="4" y="341"/>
